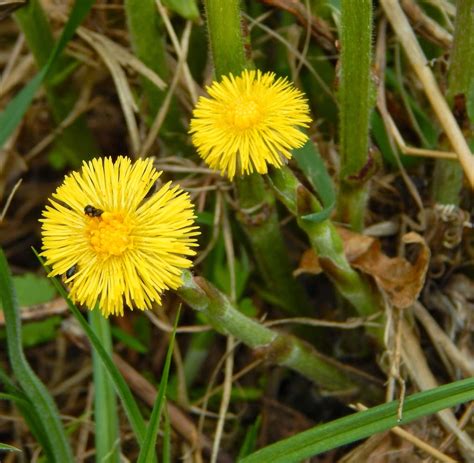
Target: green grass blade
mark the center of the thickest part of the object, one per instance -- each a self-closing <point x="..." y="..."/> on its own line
<point x="250" y="440"/>
<point x="147" y="450"/>
<point x="107" y="440"/>
<point x="33" y="388"/>
<point x="28" y="412"/>
<point x="15" y="110"/>
<point x="9" y="448"/>
<point x="363" y="424"/>
<point x="129" y="404"/>
<point x="166" y="454"/>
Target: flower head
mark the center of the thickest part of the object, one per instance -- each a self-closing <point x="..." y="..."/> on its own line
<point x="248" y="122"/>
<point x="114" y="244"/>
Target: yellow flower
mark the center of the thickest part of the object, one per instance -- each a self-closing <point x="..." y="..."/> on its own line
<point x="248" y="122"/>
<point x="114" y="244"/>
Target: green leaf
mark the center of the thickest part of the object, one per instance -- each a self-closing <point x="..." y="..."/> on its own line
<point x="9" y="448"/>
<point x="147" y="450"/>
<point x="32" y="289"/>
<point x="35" y="333"/>
<point x="363" y="424"/>
<point x="39" y="332"/>
<point x="33" y="388"/>
<point x="186" y="8"/>
<point x="129" y="404"/>
<point x="15" y="110"/>
<point x="310" y="162"/>
<point x="250" y="440"/>
<point x="27" y="411"/>
<point x="166" y="454"/>
<point x="130" y="341"/>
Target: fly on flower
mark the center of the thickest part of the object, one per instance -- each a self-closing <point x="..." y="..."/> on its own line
<point x="125" y="250"/>
<point x="248" y="122"/>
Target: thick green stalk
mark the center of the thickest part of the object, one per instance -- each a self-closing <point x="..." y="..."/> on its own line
<point x="448" y="175"/>
<point x="279" y="348"/>
<point x="328" y="246"/>
<point x="75" y="143"/>
<point x="107" y="440"/>
<point x="258" y="216"/>
<point x="356" y="101"/>
<point x="259" y="219"/>
<point x="34" y="389"/>
<point x="225" y="35"/>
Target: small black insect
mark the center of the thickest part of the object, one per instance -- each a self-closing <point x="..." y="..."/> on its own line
<point x="91" y="211"/>
<point x="71" y="271"/>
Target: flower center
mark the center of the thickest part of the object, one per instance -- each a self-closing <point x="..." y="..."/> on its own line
<point x="109" y="234"/>
<point x="245" y="113"/>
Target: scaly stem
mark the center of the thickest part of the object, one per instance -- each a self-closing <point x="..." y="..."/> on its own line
<point x="225" y="36"/>
<point x="279" y="348"/>
<point x="328" y="246"/>
<point x="258" y="216"/>
<point x="75" y="143"/>
<point x="107" y="440"/>
<point x="448" y="175"/>
<point x="356" y="100"/>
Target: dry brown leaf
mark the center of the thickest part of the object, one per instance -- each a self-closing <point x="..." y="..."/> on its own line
<point x="309" y="263"/>
<point x="401" y="280"/>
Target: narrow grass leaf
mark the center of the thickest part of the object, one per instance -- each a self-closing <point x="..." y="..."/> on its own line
<point x="28" y="412"/>
<point x="32" y="387"/>
<point x="147" y="450"/>
<point x="250" y="440"/>
<point x="129" y="404"/>
<point x="9" y="448"/>
<point x="166" y="454"/>
<point x="310" y="162"/>
<point x="188" y="9"/>
<point x="15" y="110"/>
<point x="130" y="341"/>
<point x="363" y="424"/>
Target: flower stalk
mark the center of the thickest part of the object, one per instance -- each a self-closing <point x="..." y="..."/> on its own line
<point x="258" y="215"/>
<point x="328" y="246"/>
<point x="76" y="141"/>
<point x="448" y="174"/>
<point x="356" y="101"/>
<point x="278" y="348"/>
<point x="107" y="438"/>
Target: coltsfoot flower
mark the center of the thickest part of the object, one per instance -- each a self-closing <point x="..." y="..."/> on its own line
<point x="248" y="122"/>
<point x="113" y="243"/>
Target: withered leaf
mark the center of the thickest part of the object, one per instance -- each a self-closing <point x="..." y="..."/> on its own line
<point x="401" y="280"/>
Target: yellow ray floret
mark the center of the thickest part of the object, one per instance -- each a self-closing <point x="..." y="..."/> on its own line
<point x="248" y="122"/>
<point x="114" y="244"/>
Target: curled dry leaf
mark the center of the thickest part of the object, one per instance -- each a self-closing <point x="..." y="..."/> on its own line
<point x="401" y="280"/>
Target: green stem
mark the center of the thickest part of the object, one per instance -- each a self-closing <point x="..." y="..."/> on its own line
<point x="356" y="100"/>
<point x="279" y="348"/>
<point x="76" y="141"/>
<point x="258" y="215"/>
<point x="225" y="36"/>
<point x="31" y="385"/>
<point x="107" y="438"/>
<point x="448" y="175"/>
<point x="259" y="219"/>
<point x="328" y="246"/>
